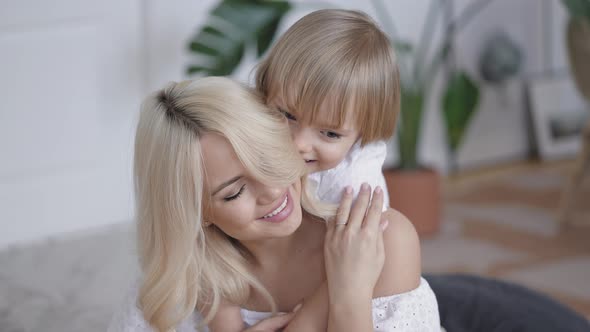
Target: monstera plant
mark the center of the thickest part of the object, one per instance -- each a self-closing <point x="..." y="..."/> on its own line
<point x="233" y="26"/>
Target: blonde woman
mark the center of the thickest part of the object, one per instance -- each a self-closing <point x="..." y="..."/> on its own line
<point x="223" y="217"/>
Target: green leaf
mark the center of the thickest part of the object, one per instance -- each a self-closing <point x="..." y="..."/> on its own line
<point x="460" y="99"/>
<point x="403" y="46"/>
<point x="199" y="47"/>
<point x="232" y="27"/>
<point x="212" y="31"/>
<point x="266" y="37"/>
<point x="412" y="107"/>
<point x="193" y="69"/>
<point x="578" y="8"/>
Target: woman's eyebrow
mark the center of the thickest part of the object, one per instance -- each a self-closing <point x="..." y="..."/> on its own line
<point x="225" y="184"/>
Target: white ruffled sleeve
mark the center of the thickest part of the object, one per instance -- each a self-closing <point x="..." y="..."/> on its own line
<point x="414" y="311"/>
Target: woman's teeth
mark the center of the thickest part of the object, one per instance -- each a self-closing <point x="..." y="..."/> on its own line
<point x="278" y="210"/>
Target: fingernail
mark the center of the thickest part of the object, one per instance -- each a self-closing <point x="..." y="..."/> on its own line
<point x="378" y="190"/>
<point x="384" y="224"/>
<point x="364" y="187"/>
<point x="348" y="190"/>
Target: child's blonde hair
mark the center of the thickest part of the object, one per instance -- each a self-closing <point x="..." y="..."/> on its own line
<point x="339" y="60"/>
<point x="185" y="264"/>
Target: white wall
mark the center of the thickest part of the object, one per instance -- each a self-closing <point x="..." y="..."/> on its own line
<point x="70" y="85"/>
<point x="73" y="72"/>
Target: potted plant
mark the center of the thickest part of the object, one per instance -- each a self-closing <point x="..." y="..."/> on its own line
<point x="414" y="188"/>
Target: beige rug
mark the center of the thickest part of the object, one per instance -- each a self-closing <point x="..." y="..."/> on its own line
<point x="502" y="224"/>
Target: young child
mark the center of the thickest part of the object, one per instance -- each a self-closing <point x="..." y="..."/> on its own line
<point x="333" y="75"/>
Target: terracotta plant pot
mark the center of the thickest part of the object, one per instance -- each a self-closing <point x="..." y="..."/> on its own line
<point x="416" y="194"/>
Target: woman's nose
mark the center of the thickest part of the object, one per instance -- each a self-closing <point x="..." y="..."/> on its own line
<point x="268" y="194"/>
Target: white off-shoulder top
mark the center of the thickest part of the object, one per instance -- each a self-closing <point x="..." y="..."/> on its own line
<point x="414" y="311"/>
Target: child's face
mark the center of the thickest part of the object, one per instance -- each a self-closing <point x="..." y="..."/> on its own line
<point x="320" y="146"/>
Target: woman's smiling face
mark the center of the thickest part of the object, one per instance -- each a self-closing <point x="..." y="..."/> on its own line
<point x="239" y="204"/>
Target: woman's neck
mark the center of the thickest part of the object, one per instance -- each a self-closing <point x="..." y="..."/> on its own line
<point x="290" y="269"/>
<point x="273" y="253"/>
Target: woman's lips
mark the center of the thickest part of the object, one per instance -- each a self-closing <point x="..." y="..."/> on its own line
<point x="281" y="212"/>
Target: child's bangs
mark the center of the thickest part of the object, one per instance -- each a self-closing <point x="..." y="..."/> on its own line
<point x="319" y="98"/>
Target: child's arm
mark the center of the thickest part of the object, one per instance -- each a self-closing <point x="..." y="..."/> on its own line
<point x="227" y="319"/>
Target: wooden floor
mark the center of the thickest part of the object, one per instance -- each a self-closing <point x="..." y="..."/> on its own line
<point x="501" y="222"/>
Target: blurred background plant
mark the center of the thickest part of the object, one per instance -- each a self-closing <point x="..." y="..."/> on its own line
<point x="500" y="60"/>
<point x="578" y="43"/>
<point x="234" y="26"/>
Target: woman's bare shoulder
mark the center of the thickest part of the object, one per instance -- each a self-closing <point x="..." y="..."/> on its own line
<point x="402" y="269"/>
<point x="399" y="225"/>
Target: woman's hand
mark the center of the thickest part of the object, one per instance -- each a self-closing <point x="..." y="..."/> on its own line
<point x="353" y="249"/>
<point x="272" y="324"/>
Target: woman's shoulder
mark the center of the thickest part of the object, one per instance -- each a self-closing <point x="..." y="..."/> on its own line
<point x="401" y="271"/>
<point x="399" y="226"/>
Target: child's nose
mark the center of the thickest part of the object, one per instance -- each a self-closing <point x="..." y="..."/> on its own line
<point x="302" y="139"/>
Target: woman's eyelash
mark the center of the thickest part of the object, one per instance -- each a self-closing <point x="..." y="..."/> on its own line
<point x="237" y="195"/>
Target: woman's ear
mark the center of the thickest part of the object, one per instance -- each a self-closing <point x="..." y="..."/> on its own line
<point x="206" y="213"/>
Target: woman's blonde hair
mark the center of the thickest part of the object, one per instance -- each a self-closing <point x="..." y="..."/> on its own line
<point x="339" y="60"/>
<point x="187" y="266"/>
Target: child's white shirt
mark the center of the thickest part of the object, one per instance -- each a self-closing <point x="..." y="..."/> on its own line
<point x="361" y="164"/>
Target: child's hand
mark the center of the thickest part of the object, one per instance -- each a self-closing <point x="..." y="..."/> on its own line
<point x="354" y="254"/>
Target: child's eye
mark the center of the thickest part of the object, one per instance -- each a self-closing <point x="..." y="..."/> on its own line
<point x="331" y="134"/>
<point x="288" y="115"/>
<point x="235" y="196"/>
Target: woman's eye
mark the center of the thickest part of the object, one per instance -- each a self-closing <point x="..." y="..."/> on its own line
<point x="236" y="195"/>
<point x="331" y="134"/>
<point x="288" y="115"/>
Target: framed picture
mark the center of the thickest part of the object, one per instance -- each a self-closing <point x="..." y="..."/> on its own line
<point x="559" y="114"/>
